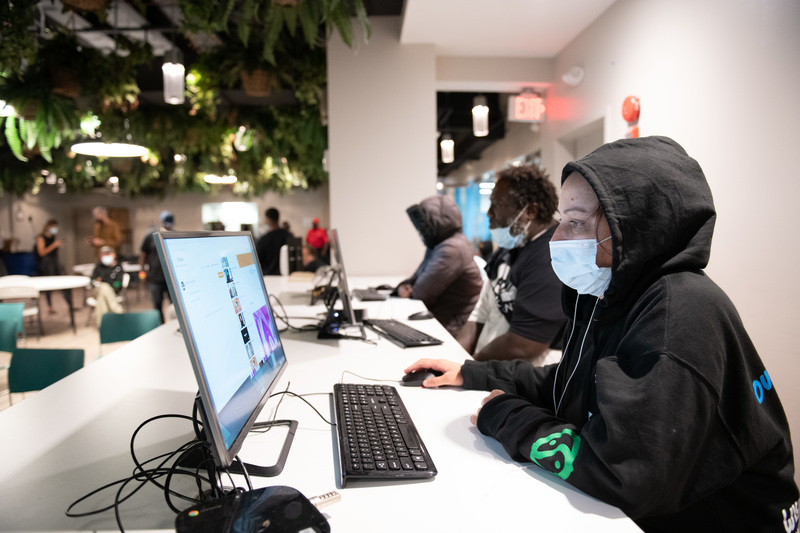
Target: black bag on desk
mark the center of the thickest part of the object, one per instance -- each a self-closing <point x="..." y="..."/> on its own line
<point x="277" y="509"/>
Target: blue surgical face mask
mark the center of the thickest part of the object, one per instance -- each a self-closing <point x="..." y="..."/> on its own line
<point x="575" y="264"/>
<point x="53" y="230"/>
<point x="503" y="237"/>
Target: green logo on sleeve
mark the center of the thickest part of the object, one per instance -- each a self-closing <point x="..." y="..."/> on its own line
<point x="557" y="452"/>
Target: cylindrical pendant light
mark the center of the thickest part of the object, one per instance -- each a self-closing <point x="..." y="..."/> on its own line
<point x="174" y="73"/>
<point x="448" y="148"/>
<point x="480" y="117"/>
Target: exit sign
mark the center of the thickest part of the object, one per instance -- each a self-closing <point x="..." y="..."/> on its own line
<point x="525" y="108"/>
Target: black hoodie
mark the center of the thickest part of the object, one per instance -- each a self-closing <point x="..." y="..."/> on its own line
<point x="448" y="280"/>
<point x="669" y="413"/>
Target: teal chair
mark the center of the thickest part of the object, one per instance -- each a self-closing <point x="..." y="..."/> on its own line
<point x="8" y="335"/>
<point x="117" y="327"/>
<point x="13" y="312"/>
<point x="33" y="369"/>
<point x="8" y="339"/>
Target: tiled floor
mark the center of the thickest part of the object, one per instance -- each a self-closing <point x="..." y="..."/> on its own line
<point x="59" y="334"/>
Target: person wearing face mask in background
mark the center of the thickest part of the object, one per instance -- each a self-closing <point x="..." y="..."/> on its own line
<point x="448" y="281"/>
<point x="45" y="254"/>
<point x="107" y="282"/>
<point x="148" y="256"/>
<point x="660" y="405"/>
<point x="519" y="313"/>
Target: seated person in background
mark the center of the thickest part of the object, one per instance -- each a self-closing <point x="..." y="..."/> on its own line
<point x="107" y="278"/>
<point x="661" y="405"/>
<point x="448" y="281"/>
<point x="311" y="260"/>
<point x="519" y="313"/>
<point x="268" y="247"/>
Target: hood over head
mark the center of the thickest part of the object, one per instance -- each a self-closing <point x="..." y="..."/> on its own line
<point x="659" y="208"/>
<point x="436" y="219"/>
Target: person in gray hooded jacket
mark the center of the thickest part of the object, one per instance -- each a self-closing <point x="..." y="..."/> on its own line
<point x="448" y="280"/>
<point x="661" y="404"/>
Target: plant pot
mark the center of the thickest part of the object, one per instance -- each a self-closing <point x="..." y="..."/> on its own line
<point x="65" y="81"/>
<point x="256" y="83"/>
<point x="29" y="110"/>
<point x="121" y="164"/>
<point x="85" y="5"/>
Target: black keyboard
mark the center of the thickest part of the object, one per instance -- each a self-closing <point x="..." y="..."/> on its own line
<point x="399" y="333"/>
<point x="369" y="295"/>
<point x="375" y="435"/>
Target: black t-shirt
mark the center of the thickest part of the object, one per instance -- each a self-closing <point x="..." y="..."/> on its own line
<point x="268" y="249"/>
<point x="109" y="274"/>
<point x="528" y="292"/>
<point x="155" y="273"/>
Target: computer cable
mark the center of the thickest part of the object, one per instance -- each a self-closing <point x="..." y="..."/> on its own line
<point x="285" y="317"/>
<point x="341" y="378"/>
<point x="143" y="476"/>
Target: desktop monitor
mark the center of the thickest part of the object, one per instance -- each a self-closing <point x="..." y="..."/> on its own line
<point x="344" y="291"/>
<point x="229" y="328"/>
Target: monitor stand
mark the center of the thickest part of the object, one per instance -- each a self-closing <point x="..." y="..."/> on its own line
<point x="201" y="458"/>
<point x="336" y="322"/>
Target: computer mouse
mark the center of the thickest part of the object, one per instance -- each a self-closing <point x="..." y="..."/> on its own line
<point x="384" y="288"/>
<point x="420" y="315"/>
<point x="415" y="379"/>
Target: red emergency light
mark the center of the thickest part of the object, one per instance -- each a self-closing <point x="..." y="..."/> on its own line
<point x="525" y="107"/>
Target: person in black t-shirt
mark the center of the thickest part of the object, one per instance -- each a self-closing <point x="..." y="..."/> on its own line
<point x="268" y="247"/>
<point x="148" y="255"/>
<point x="519" y="314"/>
<point x="45" y="254"/>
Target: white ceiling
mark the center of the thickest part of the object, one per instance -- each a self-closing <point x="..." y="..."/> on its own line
<point x="498" y="28"/>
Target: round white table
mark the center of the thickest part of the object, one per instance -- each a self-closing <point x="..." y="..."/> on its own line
<point x="50" y="283"/>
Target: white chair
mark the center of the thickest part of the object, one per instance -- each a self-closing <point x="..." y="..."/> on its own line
<point x="27" y="294"/>
<point x="122" y="297"/>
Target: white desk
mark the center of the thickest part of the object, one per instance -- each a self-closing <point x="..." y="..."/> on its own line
<point x="71" y="438"/>
<point x="52" y="283"/>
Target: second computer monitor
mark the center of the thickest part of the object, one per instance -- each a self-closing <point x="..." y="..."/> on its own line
<point x="344" y="291"/>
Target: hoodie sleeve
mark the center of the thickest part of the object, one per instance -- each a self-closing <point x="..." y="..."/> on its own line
<point x="512" y="377"/>
<point x="636" y="452"/>
<point x="442" y="268"/>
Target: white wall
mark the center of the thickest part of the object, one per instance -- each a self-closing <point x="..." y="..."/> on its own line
<point x="297" y="207"/>
<point x="382" y="147"/>
<point x="721" y="77"/>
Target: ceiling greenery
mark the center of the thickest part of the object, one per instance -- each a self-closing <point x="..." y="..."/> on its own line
<point x="61" y="92"/>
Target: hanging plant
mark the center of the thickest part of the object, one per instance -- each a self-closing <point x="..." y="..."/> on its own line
<point x="43" y="119"/>
<point x="19" y="44"/>
<point x="268" y="20"/>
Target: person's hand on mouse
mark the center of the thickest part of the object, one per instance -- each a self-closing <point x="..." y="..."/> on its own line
<point x="495" y="393"/>
<point x="451" y="372"/>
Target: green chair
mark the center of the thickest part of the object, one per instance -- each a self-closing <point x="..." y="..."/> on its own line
<point x="13" y="312"/>
<point x="117" y="327"/>
<point x="8" y="339"/>
<point x="33" y="369"/>
<point x="8" y="335"/>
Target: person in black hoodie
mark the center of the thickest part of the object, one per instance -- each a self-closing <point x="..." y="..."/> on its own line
<point x="448" y="280"/>
<point x="660" y="405"/>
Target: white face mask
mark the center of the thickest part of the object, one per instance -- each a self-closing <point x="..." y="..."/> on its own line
<point x="53" y="231"/>
<point x="575" y="264"/>
<point x="107" y="260"/>
<point x="503" y="237"/>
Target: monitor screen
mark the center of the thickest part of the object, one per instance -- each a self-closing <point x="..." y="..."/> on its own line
<point x="229" y="328"/>
<point x="344" y="291"/>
